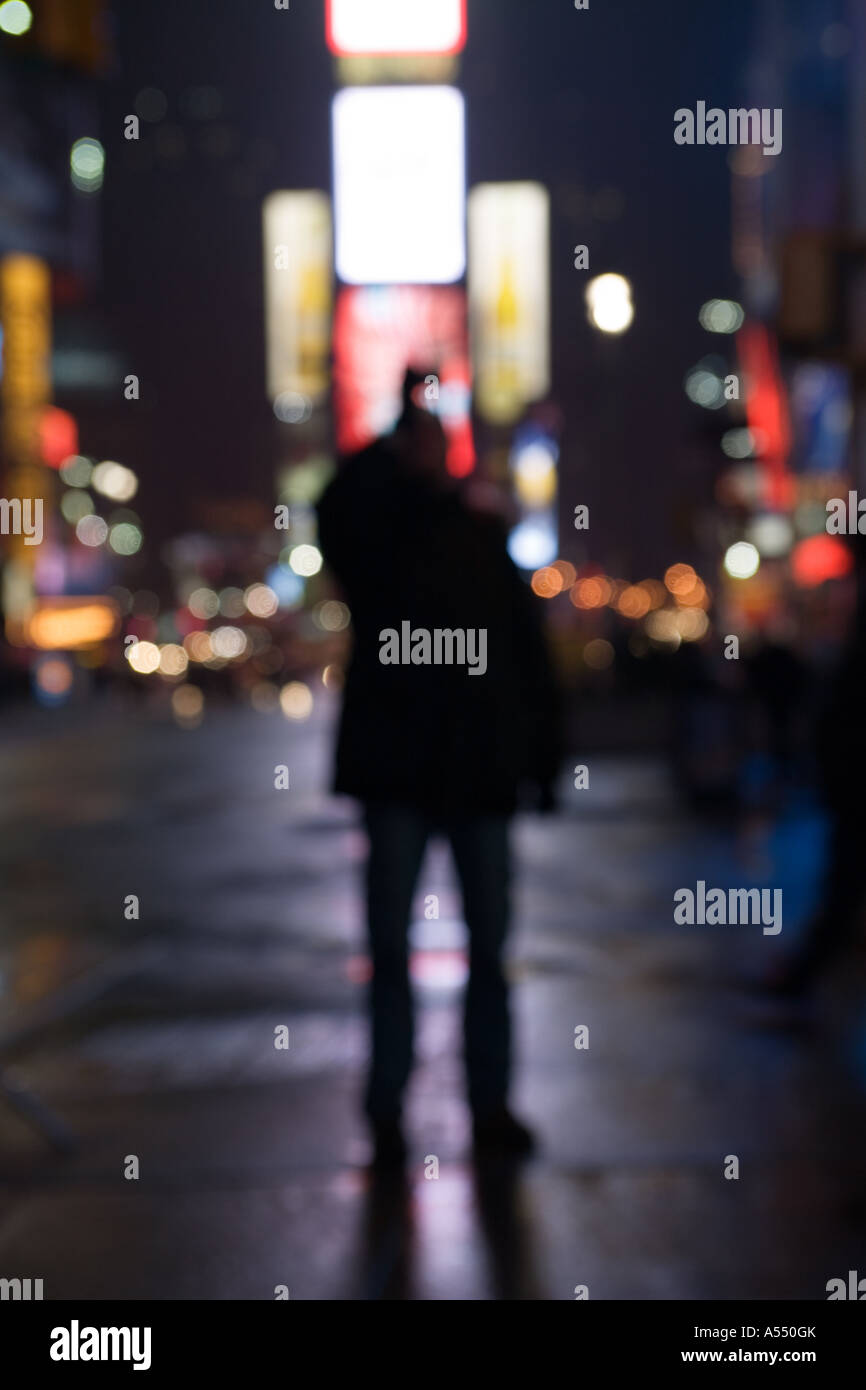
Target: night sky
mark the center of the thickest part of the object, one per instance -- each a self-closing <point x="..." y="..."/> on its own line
<point x="582" y="101"/>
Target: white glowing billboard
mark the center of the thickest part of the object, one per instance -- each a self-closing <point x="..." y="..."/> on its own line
<point x="396" y="26"/>
<point x="298" y="294"/>
<point x="509" y="297"/>
<point x="399" y="185"/>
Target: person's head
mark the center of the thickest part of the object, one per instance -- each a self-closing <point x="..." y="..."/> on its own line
<point x="419" y="433"/>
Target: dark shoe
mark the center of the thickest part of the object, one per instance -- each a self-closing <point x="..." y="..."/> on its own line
<point x="389" y="1144"/>
<point x="498" y="1132"/>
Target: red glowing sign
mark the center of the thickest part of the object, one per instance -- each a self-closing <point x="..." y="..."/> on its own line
<point x="380" y="331"/>
<point x="819" y="558"/>
<point x="392" y="28"/>
<point x="766" y="408"/>
<point x="58" y="436"/>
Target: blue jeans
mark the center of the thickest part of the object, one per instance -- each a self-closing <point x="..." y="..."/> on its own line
<point x="398" y="837"/>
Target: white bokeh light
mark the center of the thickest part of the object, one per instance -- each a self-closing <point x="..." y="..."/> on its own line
<point x="742" y="560"/>
<point x="608" y="301"/>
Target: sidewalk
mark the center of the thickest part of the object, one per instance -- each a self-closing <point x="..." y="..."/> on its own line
<point x="251" y="1158"/>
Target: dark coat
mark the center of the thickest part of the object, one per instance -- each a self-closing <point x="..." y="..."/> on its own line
<point x="433" y="736"/>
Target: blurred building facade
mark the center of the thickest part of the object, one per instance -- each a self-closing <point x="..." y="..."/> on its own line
<point x="798" y="250"/>
<point x="53" y="57"/>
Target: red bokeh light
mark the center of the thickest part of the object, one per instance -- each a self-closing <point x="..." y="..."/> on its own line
<point x="58" y="436"/>
<point x="819" y="558"/>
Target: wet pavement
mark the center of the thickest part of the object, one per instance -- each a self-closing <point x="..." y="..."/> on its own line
<point x="155" y="1038"/>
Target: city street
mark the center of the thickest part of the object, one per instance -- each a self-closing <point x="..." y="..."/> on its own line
<point x="155" y="1038"/>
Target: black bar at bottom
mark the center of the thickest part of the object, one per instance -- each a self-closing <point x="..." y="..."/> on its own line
<point x="221" y="1338"/>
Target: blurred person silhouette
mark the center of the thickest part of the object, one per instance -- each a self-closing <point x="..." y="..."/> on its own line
<point x="839" y="745"/>
<point x="777" y="687"/>
<point x="430" y="749"/>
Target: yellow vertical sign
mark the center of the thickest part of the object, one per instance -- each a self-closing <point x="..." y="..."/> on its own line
<point x="509" y="294"/>
<point x="298" y="295"/>
<point x="25" y="390"/>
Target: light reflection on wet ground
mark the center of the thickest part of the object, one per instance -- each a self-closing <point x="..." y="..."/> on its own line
<point x="252" y="1157"/>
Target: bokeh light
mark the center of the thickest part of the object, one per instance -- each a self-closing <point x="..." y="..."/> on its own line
<point x="331" y="616"/>
<point x="15" y="17"/>
<point x="173" y="660"/>
<point x="288" y="586"/>
<point x="305" y="560"/>
<point x="633" y="602"/>
<point x="819" y="558"/>
<point x="114" y="480"/>
<point x="203" y="603"/>
<point x="125" y="538"/>
<point x="228" y="642"/>
<point x="533" y="544"/>
<point x="333" y="677"/>
<point x="655" y="592"/>
<point x="292" y="408"/>
<point x="74" y="505"/>
<point x="261" y="601"/>
<point x="547" y="582"/>
<point x="598" y="654"/>
<point x="534" y="469"/>
<point x="566" y="569"/>
<point x="232" y="602"/>
<point x="771" y="534"/>
<point x="662" y="626"/>
<point x="738" y="443"/>
<point x="695" y="597"/>
<point x="592" y="592"/>
<point x="609" y="303"/>
<point x="76" y="470"/>
<point x="91" y="530"/>
<point x="705" y="388"/>
<point x="296" y="700"/>
<point x="692" y="624"/>
<point x="721" y="316"/>
<point x="198" y="646"/>
<point x="87" y="165"/>
<point x="679" y="578"/>
<point x="742" y="560"/>
<point x="143" y="657"/>
<point x="187" y="704"/>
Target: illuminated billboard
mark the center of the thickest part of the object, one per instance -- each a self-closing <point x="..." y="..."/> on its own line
<point x="509" y="297"/>
<point x="399" y="185"/>
<point x="69" y="624"/>
<point x="396" y="26"/>
<point x="534" y="455"/>
<point x="25" y="391"/>
<point x="378" y="332"/>
<point x="298" y="294"/>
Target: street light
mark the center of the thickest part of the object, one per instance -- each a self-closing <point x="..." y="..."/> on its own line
<point x="608" y="302"/>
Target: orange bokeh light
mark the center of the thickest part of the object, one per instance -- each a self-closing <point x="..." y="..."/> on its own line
<point x="568" y="572"/>
<point x="633" y="602"/>
<point x="592" y="592"/>
<point x="679" y="579"/>
<point x="547" y="582"/>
